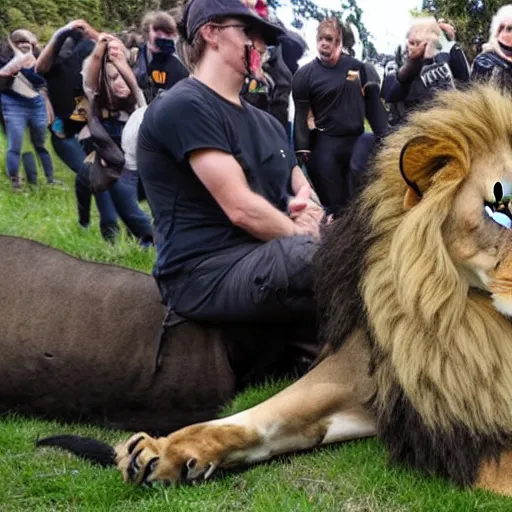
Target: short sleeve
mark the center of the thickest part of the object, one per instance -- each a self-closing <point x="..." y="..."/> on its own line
<point x="184" y="125"/>
<point x="129" y="138"/>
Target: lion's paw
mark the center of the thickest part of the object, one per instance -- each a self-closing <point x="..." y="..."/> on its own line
<point x="183" y="457"/>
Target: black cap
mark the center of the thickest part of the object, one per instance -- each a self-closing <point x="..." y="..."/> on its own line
<point x="200" y="12"/>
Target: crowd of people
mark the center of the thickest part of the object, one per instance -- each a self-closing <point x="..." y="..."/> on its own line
<point x="192" y="113"/>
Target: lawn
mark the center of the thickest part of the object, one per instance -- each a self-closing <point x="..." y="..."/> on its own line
<point x="349" y="477"/>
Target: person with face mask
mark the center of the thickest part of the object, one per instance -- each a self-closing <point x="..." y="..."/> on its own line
<point x="23" y="104"/>
<point x="332" y="99"/>
<point x="60" y="63"/>
<point x="236" y="221"/>
<point x="113" y="94"/>
<point x="494" y="64"/>
<point x="434" y="62"/>
<point x="157" y="65"/>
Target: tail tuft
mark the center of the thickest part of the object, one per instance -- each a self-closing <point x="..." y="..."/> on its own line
<point x="85" y="447"/>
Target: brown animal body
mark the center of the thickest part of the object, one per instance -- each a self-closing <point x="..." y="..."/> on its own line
<point x="84" y="341"/>
<point x="415" y="294"/>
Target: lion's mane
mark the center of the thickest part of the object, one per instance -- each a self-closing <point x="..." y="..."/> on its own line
<point x="441" y="354"/>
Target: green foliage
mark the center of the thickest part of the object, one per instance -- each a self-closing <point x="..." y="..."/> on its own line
<point x="471" y="18"/>
<point x="43" y="17"/>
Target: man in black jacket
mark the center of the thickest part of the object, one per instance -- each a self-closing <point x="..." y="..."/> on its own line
<point x="332" y="98"/>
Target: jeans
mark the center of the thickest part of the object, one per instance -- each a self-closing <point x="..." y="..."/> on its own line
<point x="72" y="154"/>
<point x="124" y="194"/>
<point x="18" y="114"/>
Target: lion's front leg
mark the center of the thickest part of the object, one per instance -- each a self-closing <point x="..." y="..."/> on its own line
<point x="325" y="406"/>
<point x="190" y="454"/>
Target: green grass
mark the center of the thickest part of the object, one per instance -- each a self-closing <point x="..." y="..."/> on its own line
<point x="348" y="477"/>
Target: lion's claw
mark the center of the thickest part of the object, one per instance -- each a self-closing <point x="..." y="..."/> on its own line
<point x="187" y="456"/>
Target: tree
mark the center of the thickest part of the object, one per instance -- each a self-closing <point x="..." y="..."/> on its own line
<point x="472" y="19"/>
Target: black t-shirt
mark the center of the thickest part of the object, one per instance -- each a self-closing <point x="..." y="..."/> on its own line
<point x="334" y="94"/>
<point x="189" y="224"/>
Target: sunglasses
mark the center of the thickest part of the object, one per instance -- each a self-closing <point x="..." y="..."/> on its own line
<point x="247" y="30"/>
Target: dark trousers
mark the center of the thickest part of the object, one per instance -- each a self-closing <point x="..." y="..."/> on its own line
<point x="261" y="294"/>
<point x="265" y="283"/>
<point x="329" y="167"/>
<point x="364" y="150"/>
<point x="70" y="151"/>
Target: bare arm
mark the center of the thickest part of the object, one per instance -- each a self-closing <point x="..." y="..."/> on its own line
<point x="47" y="56"/>
<point x="117" y="54"/>
<point x="92" y="65"/>
<point x="221" y="174"/>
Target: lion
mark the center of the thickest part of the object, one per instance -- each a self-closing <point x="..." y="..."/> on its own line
<point x="414" y="293"/>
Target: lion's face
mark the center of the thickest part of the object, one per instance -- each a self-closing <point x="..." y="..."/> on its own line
<point x="477" y="230"/>
<point x="457" y="163"/>
<point x="436" y="283"/>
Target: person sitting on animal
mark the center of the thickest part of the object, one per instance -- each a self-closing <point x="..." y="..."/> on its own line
<point x="415" y="300"/>
<point x="156" y="63"/>
<point x="332" y="98"/>
<point x="236" y="220"/>
<point x="494" y="64"/>
<point x="434" y="62"/>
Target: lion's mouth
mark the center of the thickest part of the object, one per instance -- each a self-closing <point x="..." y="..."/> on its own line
<point x="501" y="209"/>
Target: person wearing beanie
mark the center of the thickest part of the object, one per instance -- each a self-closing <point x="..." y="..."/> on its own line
<point x="236" y="221"/>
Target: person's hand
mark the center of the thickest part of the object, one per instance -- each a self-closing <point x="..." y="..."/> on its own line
<point x="104" y="38"/>
<point x="305" y="213"/>
<point x="28" y="60"/>
<point x="307" y="223"/>
<point x="418" y="51"/>
<point x="448" y="29"/>
<point x="116" y="51"/>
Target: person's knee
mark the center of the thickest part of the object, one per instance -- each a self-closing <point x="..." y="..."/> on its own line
<point x="38" y="137"/>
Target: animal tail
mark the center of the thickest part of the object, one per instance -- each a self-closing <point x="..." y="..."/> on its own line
<point x="85" y="447"/>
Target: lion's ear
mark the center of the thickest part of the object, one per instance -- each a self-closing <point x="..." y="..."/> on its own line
<point x="420" y="159"/>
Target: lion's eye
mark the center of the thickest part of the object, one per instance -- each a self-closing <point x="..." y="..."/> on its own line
<point x="498" y="192"/>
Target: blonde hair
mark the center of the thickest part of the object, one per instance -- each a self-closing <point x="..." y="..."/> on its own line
<point x="504" y="13"/>
<point x="427" y="26"/>
<point x="441" y="341"/>
<point x="330" y="24"/>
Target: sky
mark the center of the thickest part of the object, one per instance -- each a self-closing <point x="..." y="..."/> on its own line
<point x="387" y="21"/>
